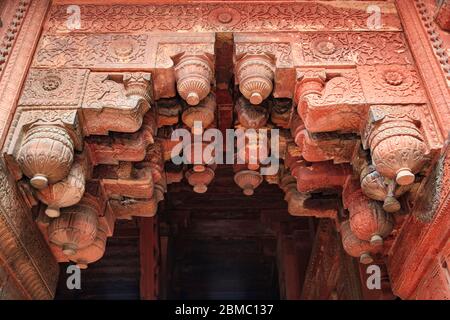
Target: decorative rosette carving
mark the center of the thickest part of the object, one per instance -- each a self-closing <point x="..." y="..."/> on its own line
<point x="75" y="228"/>
<point x="251" y="117"/>
<point x="203" y="112"/>
<point x="194" y="74"/>
<point x="248" y="181"/>
<point x="46" y="155"/>
<point x="398" y="150"/>
<point x="355" y="247"/>
<point x="200" y="180"/>
<point x="255" y="74"/>
<point x="367" y="220"/>
<point x="64" y="193"/>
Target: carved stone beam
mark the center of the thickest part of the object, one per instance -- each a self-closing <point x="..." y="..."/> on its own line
<point x="123" y="146"/>
<point x="254" y="75"/>
<point x="368" y="221"/>
<point x="42" y="145"/>
<point x="128" y="207"/>
<point x="194" y="74"/>
<point x="115" y="102"/>
<point x="302" y="204"/>
<point x="326" y="146"/>
<point x="169" y="111"/>
<point x="396" y="142"/>
<point x="125" y="180"/>
<point x="321" y="176"/>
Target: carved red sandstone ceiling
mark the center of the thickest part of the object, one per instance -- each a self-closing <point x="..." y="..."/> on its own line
<point x="92" y="130"/>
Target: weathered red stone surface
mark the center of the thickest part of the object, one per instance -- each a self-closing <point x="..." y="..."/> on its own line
<point x="363" y="114"/>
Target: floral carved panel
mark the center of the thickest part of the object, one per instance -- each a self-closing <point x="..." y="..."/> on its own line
<point x="304" y="15"/>
<point x="391" y="84"/>
<point x="54" y="87"/>
<point x="93" y="51"/>
<point x="356" y="48"/>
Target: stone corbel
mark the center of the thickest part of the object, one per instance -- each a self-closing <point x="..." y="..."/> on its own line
<point x="321" y="176"/>
<point x="330" y="100"/>
<point x="326" y="146"/>
<point x="125" y="180"/>
<point x="302" y="204"/>
<point x="123" y="146"/>
<point x="42" y="145"/>
<point x="115" y="102"/>
<point x="397" y="145"/>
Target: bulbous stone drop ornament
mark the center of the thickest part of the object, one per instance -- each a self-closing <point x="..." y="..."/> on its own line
<point x="355" y="247"/>
<point x="398" y="150"/>
<point x="248" y="181"/>
<point x="368" y="221"/>
<point x="46" y="155"/>
<point x="376" y="187"/>
<point x="75" y="229"/>
<point x="194" y="74"/>
<point x="255" y="74"/>
<point x="64" y="193"/>
<point x="200" y="180"/>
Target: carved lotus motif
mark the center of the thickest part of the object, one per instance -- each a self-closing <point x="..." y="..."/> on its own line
<point x="46" y="155"/>
<point x="64" y="193"/>
<point x="325" y="47"/>
<point x="398" y="150"/>
<point x="200" y="180"/>
<point x="123" y="48"/>
<point x="353" y="246"/>
<point x="251" y="117"/>
<point x="194" y="74"/>
<point x="51" y="82"/>
<point x="255" y="74"/>
<point x="203" y="113"/>
<point x="367" y="220"/>
<point x="393" y="77"/>
<point x="75" y="229"/>
<point x="91" y="253"/>
<point x="248" y="181"/>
